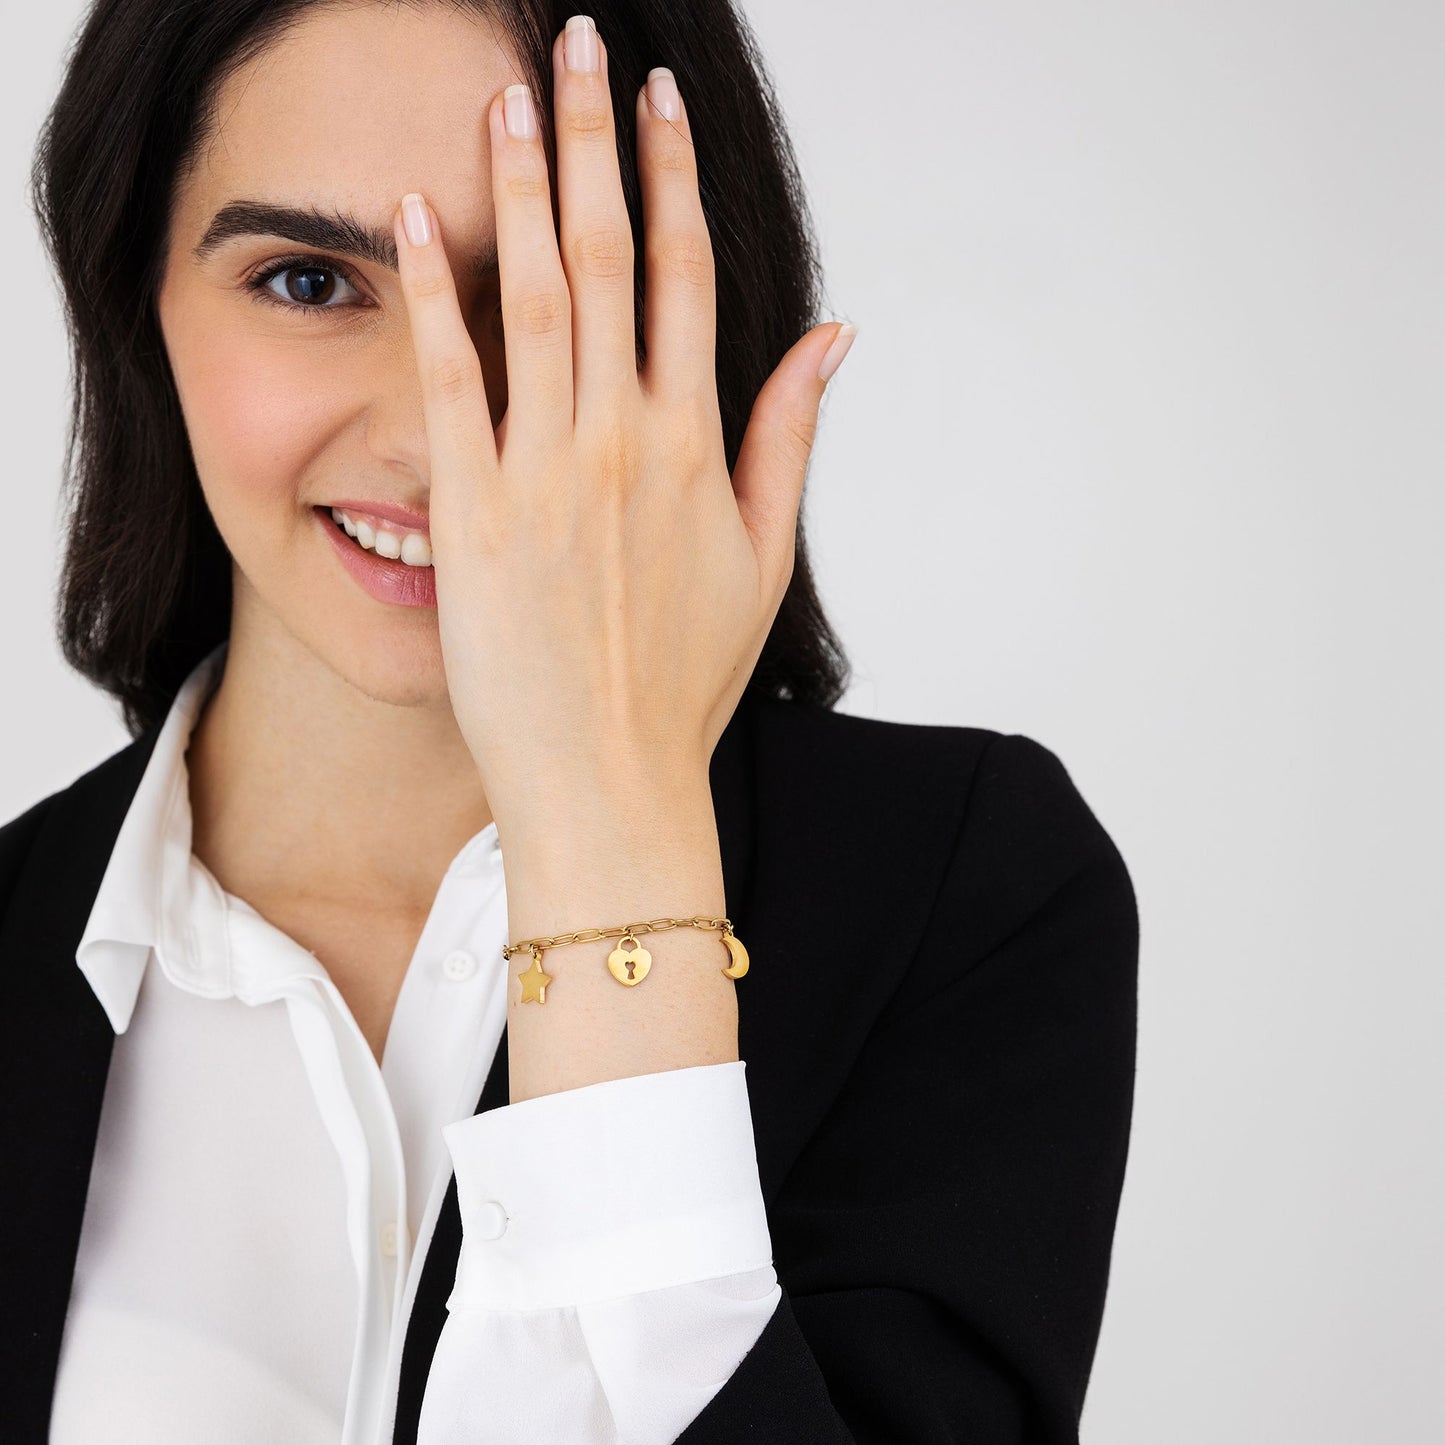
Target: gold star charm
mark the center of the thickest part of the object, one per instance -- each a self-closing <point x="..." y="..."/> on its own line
<point x="534" y="982"/>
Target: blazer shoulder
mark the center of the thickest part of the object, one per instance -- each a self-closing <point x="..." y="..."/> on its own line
<point x="1027" y="803"/>
<point x="83" y="816"/>
<point x="17" y="837"/>
<point x="1008" y="791"/>
<point x="879" y="766"/>
<point x="1011" y="849"/>
<point x="1036" y="873"/>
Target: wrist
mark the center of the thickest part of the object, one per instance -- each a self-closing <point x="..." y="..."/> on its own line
<point x="617" y="822"/>
<point x="613" y="857"/>
<point x="623" y="856"/>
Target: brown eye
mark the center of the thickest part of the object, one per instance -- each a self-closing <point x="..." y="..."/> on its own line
<point x="305" y="285"/>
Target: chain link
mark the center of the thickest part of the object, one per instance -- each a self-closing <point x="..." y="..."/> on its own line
<point x="591" y="935"/>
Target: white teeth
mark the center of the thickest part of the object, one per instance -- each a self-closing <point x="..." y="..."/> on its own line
<point x="414" y="548"/>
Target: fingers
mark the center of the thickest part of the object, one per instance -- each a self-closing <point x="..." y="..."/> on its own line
<point x="536" y="306"/>
<point x="454" y="397"/>
<point x="568" y="309"/>
<point x="596" y="233"/>
<point x="772" y="463"/>
<point x="680" y="311"/>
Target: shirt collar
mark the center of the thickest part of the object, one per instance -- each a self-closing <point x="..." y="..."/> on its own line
<point x="126" y="919"/>
<point x="156" y="899"/>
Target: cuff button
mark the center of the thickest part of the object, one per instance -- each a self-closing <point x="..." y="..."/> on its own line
<point x="489" y="1220"/>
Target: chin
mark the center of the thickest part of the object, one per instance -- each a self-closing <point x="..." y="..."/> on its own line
<point x="388" y="653"/>
<point x="401" y="665"/>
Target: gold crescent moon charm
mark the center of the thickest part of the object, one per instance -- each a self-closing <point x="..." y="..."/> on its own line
<point x="738" y="954"/>
<point x="629" y="966"/>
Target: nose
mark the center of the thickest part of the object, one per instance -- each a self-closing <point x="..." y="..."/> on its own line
<point x="395" y="421"/>
<point x="395" y="418"/>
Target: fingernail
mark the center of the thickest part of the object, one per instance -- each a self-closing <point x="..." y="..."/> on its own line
<point x="579" y="47"/>
<point x="833" y="357"/>
<point x="518" y="112"/>
<point x="662" y="92"/>
<point x="414" y="219"/>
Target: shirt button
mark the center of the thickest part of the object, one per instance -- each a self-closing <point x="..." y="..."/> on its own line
<point x="489" y="1220"/>
<point x="459" y="965"/>
<point x="388" y="1239"/>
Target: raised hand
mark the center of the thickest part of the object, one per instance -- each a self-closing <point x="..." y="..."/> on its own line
<point x="604" y="587"/>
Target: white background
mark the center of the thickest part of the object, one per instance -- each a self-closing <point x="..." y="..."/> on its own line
<point x="1139" y="452"/>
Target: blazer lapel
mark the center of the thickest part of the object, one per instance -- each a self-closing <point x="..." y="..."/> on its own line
<point x="55" y="1048"/>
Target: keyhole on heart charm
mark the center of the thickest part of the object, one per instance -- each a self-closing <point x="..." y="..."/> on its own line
<point x="629" y="961"/>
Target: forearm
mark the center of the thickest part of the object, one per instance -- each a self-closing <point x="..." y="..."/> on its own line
<point x="600" y="860"/>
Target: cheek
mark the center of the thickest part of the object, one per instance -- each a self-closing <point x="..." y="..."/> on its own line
<point x="259" y="410"/>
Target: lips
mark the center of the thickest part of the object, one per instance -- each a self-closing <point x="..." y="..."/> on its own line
<point x="384" y="578"/>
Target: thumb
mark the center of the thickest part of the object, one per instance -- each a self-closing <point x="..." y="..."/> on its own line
<point x="773" y="459"/>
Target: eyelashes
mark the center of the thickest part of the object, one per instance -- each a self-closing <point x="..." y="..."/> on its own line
<point x="259" y="285"/>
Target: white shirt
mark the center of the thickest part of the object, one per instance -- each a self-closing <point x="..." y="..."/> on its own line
<point x="262" y="1193"/>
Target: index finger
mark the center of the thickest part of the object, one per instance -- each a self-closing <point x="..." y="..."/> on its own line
<point x="459" y="433"/>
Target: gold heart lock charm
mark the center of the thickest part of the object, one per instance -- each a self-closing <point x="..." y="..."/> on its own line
<point x="629" y="967"/>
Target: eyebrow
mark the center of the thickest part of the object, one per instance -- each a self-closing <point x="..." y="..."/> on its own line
<point x="327" y="231"/>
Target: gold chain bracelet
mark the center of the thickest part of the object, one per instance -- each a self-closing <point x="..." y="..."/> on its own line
<point x="627" y="966"/>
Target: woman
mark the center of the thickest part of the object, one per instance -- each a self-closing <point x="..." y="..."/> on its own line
<point x="328" y="1125"/>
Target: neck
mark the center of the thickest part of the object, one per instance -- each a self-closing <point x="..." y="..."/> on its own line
<point x="302" y="784"/>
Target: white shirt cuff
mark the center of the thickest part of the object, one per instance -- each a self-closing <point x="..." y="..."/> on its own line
<point x="611" y="1189"/>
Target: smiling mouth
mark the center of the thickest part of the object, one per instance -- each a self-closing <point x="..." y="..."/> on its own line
<point x="373" y="535"/>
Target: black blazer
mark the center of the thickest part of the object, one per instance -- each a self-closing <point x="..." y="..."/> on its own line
<point x="939" y="1029"/>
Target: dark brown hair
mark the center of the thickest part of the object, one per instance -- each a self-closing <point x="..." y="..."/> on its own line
<point x="145" y="587"/>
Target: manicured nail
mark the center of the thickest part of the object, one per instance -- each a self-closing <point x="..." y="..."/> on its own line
<point x="518" y="112"/>
<point x="414" y="219"/>
<point x="579" y="47"/>
<point x="833" y="357"/>
<point x="662" y="92"/>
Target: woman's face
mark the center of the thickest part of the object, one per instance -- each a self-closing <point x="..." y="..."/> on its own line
<point x="300" y="389"/>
